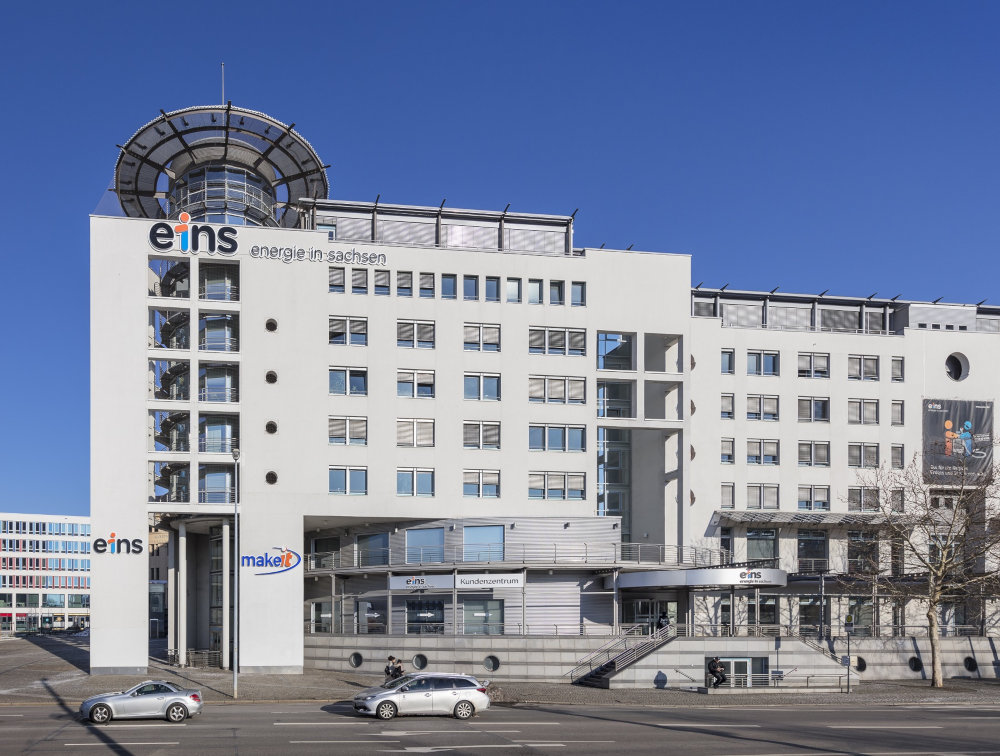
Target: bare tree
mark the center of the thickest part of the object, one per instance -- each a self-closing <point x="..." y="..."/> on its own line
<point x="941" y="524"/>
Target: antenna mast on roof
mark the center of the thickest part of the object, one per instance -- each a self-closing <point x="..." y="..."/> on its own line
<point x="223" y="82"/>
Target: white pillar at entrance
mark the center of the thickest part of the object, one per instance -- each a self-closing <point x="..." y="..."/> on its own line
<point x="171" y="591"/>
<point x="224" y="641"/>
<point x="182" y="597"/>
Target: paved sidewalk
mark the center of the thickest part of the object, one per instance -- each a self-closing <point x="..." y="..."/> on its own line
<point x="54" y="670"/>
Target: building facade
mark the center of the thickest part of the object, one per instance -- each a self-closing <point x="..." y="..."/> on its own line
<point x="44" y="572"/>
<point x="521" y="433"/>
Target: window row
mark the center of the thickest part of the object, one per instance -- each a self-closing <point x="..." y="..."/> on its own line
<point x="475" y="434"/>
<point x="492" y="290"/>
<point x="481" y="484"/>
<point x="811" y="453"/>
<point x="810" y="409"/>
<point x="810" y="498"/>
<point x="860" y="367"/>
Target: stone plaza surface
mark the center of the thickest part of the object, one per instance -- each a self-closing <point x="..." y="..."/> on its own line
<point x="55" y="670"/>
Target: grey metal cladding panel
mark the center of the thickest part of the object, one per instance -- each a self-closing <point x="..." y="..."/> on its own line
<point x="359" y="585"/>
<point x="552" y="604"/>
<point x="354" y="228"/>
<point x="596" y="609"/>
<point x="538" y="531"/>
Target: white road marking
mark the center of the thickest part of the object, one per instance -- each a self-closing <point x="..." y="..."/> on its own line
<point x="320" y="742"/>
<point x="11" y="715"/>
<point x="702" y="726"/>
<point x="115" y="745"/>
<point x="297" y="724"/>
<point x="885" y="727"/>
<point x="117" y="726"/>
<point x="536" y="724"/>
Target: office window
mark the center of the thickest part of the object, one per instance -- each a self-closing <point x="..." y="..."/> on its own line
<point x="557" y="341"/>
<point x="862" y="411"/>
<point x="514" y="290"/>
<point x="482" y="386"/>
<point x="762" y="451"/>
<point x="897" y="369"/>
<point x="415" y="383"/>
<point x="359" y="280"/>
<point x="762" y="363"/>
<point x="427" y="286"/>
<point x="862" y="500"/>
<point x="862" y="455"/>
<point x="728" y="361"/>
<point x="898" y="461"/>
<point x="414" y="482"/>
<point x="728" y="451"/>
<point x="413" y="333"/>
<point x="615" y="351"/>
<point x="480" y="435"/>
<point x="557" y="292"/>
<point x="728" y="411"/>
<point x="382" y="278"/>
<point x="761" y="496"/>
<point x="862" y="367"/>
<point x="727" y="496"/>
<point x="762" y="407"/>
<point x="762" y="544"/>
<point x="483" y="543"/>
<point x="557" y="438"/>
<point x="414" y="432"/>
<point x="814" y="498"/>
<point x="353" y="331"/>
<point x="348" y="430"/>
<point x="349" y="381"/>
<point x="814" y="365"/>
<point x="481" y="484"/>
<point x="897" y="412"/>
<point x="556" y="485"/>
<point x="534" y="291"/>
<point x="404" y="283"/>
<point x="481" y="337"/>
<point x="814" y="453"/>
<point x="425" y="545"/>
<point x="470" y="287"/>
<point x="557" y="390"/>
<point x="336" y="280"/>
<point x="449" y="286"/>
<point x="349" y="481"/>
<point x="814" y="409"/>
<point x="578" y="294"/>
<point x="492" y="289"/>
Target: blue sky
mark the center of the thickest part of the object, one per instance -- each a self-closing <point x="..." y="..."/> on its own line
<point x="849" y="146"/>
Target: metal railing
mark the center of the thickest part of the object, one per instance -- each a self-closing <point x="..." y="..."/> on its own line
<point x="575" y="553"/>
<point x="216" y="495"/>
<point x="772" y="680"/>
<point x="218" y="343"/>
<point x="212" y="445"/>
<point x="218" y="395"/>
<point x="813" y="565"/>
<point x="448" y="628"/>
<point x="221" y="292"/>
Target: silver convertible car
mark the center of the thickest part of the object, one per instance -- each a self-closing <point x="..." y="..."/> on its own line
<point x="459" y="696"/>
<point x="153" y="698"/>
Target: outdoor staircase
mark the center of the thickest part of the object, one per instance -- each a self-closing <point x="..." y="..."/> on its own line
<point x="595" y="669"/>
<point x="817" y="646"/>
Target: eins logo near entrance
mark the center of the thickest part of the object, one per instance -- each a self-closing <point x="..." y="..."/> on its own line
<point x="285" y="560"/>
<point x="193" y="238"/>
<point x="115" y="545"/>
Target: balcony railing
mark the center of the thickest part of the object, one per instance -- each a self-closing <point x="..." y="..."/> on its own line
<point x="217" y="445"/>
<point x="218" y="343"/>
<point x="575" y="553"/>
<point x="219" y="395"/>
<point x="813" y="565"/>
<point x="217" y="495"/>
<point x="615" y="408"/>
<point x="221" y="292"/>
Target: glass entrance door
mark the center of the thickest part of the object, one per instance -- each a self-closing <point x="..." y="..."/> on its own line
<point x="737" y="672"/>
<point x="646" y="612"/>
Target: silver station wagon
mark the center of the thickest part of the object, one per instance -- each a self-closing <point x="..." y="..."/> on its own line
<point x="153" y="698"/>
<point x="459" y="696"/>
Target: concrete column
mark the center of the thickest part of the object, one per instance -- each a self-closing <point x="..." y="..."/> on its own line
<point x="171" y="591"/>
<point x="454" y="602"/>
<point x="182" y="598"/>
<point x="225" y="593"/>
<point x="615" y="598"/>
<point x="388" y="602"/>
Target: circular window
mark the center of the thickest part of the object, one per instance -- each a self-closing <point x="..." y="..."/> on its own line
<point x="915" y="664"/>
<point x="957" y="366"/>
<point x="271" y="477"/>
<point x="861" y="665"/>
<point x="271" y="377"/>
<point x="491" y="663"/>
<point x="271" y="325"/>
<point x="419" y="661"/>
<point x="971" y="664"/>
<point x="355" y="660"/>
<point x="271" y="426"/>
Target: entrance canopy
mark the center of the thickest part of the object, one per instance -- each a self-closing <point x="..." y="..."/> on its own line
<point x="722" y="577"/>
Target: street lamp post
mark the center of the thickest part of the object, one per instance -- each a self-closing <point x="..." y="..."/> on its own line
<point x="236" y="571"/>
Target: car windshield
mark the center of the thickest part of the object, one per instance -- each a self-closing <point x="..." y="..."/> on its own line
<point x="392" y="684"/>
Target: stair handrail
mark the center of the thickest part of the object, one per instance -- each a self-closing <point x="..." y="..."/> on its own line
<point x="818" y="647"/>
<point x="605" y="652"/>
<point x="657" y="639"/>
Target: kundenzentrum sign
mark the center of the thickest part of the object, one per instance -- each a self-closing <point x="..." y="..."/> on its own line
<point x="470" y="582"/>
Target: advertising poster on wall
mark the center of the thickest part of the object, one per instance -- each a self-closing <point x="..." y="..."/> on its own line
<point x="958" y="442"/>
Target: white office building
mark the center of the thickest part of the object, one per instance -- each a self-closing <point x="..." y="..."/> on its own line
<point x="455" y="432"/>
<point x="44" y="572"/>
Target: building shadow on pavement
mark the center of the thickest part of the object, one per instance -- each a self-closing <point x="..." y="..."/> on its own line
<point x="75" y="651"/>
<point x="73" y="715"/>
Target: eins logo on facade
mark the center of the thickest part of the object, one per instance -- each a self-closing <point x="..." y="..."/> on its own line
<point x="115" y="545"/>
<point x="285" y="560"/>
<point x="750" y="575"/>
<point x="193" y="238"/>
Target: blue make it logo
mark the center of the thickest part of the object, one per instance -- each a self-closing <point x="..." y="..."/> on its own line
<point x="283" y="561"/>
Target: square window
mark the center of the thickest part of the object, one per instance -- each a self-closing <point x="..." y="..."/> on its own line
<point x="534" y="291"/>
<point x="470" y="287"/>
<point x="578" y="294"/>
<point x="557" y="292"/>
<point x="492" y="289"/>
<point x="514" y="290"/>
<point x="449" y="286"/>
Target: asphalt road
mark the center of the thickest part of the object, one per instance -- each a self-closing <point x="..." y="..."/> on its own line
<point x="263" y="728"/>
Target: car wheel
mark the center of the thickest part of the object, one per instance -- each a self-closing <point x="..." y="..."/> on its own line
<point x="177" y="712"/>
<point x="385" y="710"/>
<point x="464" y="710"/>
<point x="100" y="714"/>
